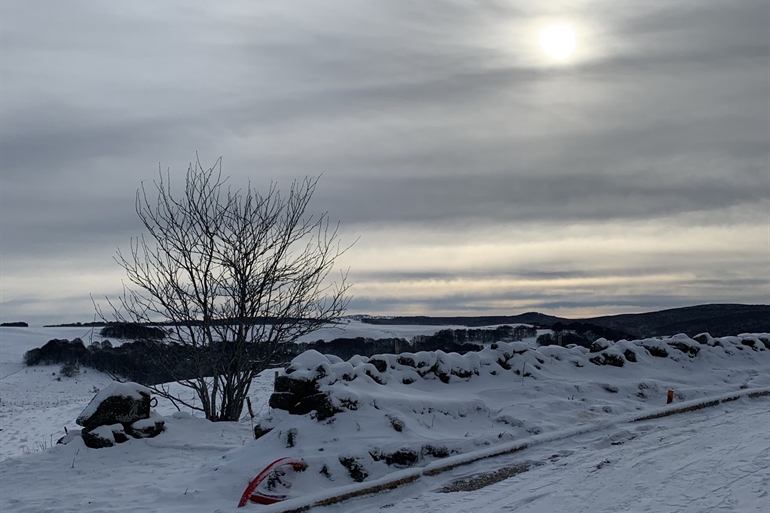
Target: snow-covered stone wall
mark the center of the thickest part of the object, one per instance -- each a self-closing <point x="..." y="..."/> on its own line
<point x="324" y="384"/>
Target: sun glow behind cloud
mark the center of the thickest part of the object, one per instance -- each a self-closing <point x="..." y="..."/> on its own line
<point x="558" y="41"/>
<point x="546" y="41"/>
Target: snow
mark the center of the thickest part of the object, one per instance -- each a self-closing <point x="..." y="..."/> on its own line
<point x="569" y="421"/>
<point x="350" y="328"/>
<point x="106" y="432"/>
<point x="709" y="460"/>
<point x="148" y="422"/>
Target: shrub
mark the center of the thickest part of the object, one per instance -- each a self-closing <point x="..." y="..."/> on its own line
<point x="69" y="370"/>
<point x="32" y="357"/>
<point x="133" y="331"/>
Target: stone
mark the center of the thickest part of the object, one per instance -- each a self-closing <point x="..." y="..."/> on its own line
<point x="655" y="348"/>
<point x="117" y="403"/>
<point x="435" y="451"/>
<point x="687" y="348"/>
<point x="379" y="362"/>
<point x="599" y="345"/>
<point x="396" y="423"/>
<point x="630" y="355"/>
<point x="320" y="403"/>
<point x="355" y="468"/>
<point x="103" y="436"/>
<point x="755" y="344"/>
<point x="301" y="396"/>
<point x="260" y="431"/>
<point x="607" y="358"/>
<point x="291" y="437"/>
<point x="704" y="338"/>
<point x="282" y="400"/>
<point x="147" y="428"/>
<point x="119" y="433"/>
<point x="402" y="458"/>
<point x="295" y="386"/>
<point x="407" y="361"/>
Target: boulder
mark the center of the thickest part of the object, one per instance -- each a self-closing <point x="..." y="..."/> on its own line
<point x="654" y="347"/>
<point x="260" y="431"/>
<point x="117" y="403"/>
<point x="296" y="386"/>
<point x="608" y="358"/>
<point x="282" y="400"/>
<point x="688" y="347"/>
<point x="103" y="436"/>
<point x="300" y="396"/>
<point x="402" y="458"/>
<point x="320" y="403"/>
<point x="704" y="338"/>
<point x="355" y="468"/>
<point x="380" y="362"/>
<point x="599" y="345"/>
<point x="147" y="428"/>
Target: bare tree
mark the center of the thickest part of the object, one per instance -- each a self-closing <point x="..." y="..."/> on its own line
<point x="235" y="274"/>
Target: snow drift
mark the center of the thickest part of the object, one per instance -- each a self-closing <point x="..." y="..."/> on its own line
<point x="365" y="418"/>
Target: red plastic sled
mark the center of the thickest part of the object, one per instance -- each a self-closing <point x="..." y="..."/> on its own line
<point x="275" y="470"/>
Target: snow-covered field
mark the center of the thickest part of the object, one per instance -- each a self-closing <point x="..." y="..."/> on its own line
<point x="715" y="459"/>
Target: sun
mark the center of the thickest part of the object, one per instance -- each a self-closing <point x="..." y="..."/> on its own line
<point x="558" y="41"/>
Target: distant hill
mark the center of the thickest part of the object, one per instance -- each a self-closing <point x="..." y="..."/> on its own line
<point x="717" y="319"/>
<point x="422" y="320"/>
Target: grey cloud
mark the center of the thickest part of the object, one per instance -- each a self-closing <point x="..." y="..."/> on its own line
<point x="444" y="200"/>
<point x="711" y="24"/>
<point x="66" y="225"/>
<point x="543" y="272"/>
<point x="543" y="301"/>
<point x="66" y="138"/>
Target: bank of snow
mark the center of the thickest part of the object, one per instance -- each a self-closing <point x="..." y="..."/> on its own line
<point x="466" y="403"/>
<point x="400" y="411"/>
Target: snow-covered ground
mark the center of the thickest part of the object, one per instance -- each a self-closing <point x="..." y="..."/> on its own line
<point x="350" y="328"/>
<point x="716" y="459"/>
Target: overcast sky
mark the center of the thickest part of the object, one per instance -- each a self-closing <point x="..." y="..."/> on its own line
<point x="482" y="175"/>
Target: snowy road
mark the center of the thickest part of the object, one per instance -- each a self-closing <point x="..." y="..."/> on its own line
<point x="716" y="459"/>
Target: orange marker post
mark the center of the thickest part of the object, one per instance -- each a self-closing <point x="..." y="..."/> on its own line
<point x="670" y="397"/>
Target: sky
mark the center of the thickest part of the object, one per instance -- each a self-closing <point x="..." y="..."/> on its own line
<point x="479" y="174"/>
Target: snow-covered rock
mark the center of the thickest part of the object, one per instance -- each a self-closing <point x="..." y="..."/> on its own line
<point x="104" y="436"/>
<point x="147" y="428"/>
<point x="122" y="403"/>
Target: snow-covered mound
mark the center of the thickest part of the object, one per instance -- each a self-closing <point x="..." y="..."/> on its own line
<point x="397" y="411"/>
